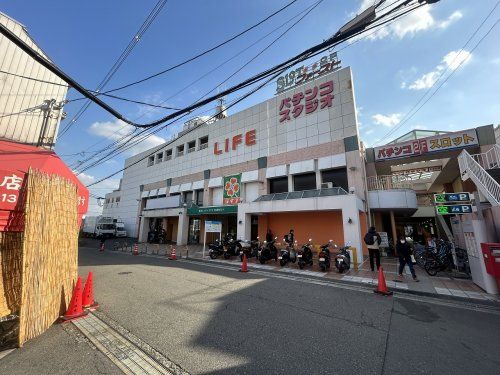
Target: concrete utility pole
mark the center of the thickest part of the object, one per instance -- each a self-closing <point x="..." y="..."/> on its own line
<point x="48" y="108"/>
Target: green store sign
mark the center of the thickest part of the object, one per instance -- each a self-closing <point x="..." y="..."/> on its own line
<point x="212" y="210"/>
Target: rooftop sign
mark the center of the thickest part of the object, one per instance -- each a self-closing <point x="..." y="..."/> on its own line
<point x="437" y="143"/>
<point x="303" y="74"/>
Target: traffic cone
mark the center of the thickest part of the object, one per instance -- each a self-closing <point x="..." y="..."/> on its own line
<point x="382" y="287"/>
<point x="136" y="249"/>
<point x="88" y="294"/>
<point x="173" y="255"/>
<point x="244" y="264"/>
<point x="75" y="309"/>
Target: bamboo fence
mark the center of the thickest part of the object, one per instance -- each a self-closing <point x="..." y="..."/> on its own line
<point x="49" y="258"/>
<point x="10" y="272"/>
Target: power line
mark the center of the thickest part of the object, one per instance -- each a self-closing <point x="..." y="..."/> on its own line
<point x="409" y="114"/>
<point x="358" y="32"/>
<point x="118" y="63"/>
<point x="33" y="79"/>
<point x="191" y="84"/>
<point x="311" y="8"/>
<point x="204" y="52"/>
<point x="349" y="30"/>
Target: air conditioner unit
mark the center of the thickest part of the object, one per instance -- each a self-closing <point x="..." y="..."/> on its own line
<point x="326" y="185"/>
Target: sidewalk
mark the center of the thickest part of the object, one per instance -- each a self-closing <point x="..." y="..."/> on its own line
<point x="441" y="284"/>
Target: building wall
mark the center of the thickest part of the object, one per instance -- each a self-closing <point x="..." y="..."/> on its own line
<point x="27" y="96"/>
<point x="312" y="136"/>
<point x="319" y="226"/>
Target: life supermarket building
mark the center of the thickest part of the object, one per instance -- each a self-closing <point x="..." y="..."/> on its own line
<point x="296" y="162"/>
<point x="293" y="161"/>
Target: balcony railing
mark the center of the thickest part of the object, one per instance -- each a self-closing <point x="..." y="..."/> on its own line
<point x="388" y="182"/>
<point x="302" y="194"/>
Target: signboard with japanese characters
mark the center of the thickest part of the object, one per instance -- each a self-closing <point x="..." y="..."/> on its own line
<point x="306" y="102"/>
<point x="232" y="189"/>
<point x="406" y="172"/>
<point x="457" y="209"/>
<point x="303" y="74"/>
<point x="442" y="142"/>
<point x="10" y="186"/>
<point x="452" y="198"/>
<point x="213" y="226"/>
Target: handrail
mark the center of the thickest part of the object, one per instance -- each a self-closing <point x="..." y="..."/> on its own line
<point x="470" y="168"/>
<point x="389" y="182"/>
<point x="489" y="159"/>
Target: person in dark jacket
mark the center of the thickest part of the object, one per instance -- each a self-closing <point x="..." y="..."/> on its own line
<point x="404" y="252"/>
<point x="269" y="235"/>
<point x="372" y="240"/>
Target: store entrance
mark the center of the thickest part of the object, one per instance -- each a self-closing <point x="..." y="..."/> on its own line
<point x="197" y="227"/>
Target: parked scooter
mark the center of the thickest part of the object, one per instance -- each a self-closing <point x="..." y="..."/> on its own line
<point x="268" y="251"/>
<point x="232" y="247"/>
<point x="215" y="249"/>
<point x="287" y="254"/>
<point x="305" y="255"/>
<point x="324" y="256"/>
<point x="250" y="248"/>
<point x="343" y="258"/>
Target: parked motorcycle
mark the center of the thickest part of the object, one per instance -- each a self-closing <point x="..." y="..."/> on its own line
<point x="232" y="248"/>
<point x="439" y="260"/>
<point x="250" y="248"/>
<point x="343" y="258"/>
<point x="305" y="255"/>
<point x="324" y="256"/>
<point x="287" y="254"/>
<point x="268" y="251"/>
<point x="215" y="249"/>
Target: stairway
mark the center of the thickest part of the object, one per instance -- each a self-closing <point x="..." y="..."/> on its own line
<point x="484" y="170"/>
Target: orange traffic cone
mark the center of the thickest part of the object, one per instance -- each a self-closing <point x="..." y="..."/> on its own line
<point x="136" y="250"/>
<point x="382" y="287"/>
<point x="75" y="309"/>
<point x="173" y="255"/>
<point x="88" y="294"/>
<point x="244" y="265"/>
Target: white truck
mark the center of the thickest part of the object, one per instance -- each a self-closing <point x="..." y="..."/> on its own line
<point x="97" y="226"/>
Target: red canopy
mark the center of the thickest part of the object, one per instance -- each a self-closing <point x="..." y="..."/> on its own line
<point x="15" y="161"/>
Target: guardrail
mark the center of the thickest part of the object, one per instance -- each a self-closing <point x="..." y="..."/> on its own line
<point x="388" y="182"/>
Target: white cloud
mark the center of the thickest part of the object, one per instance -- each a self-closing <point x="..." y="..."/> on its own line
<point x="416" y="21"/>
<point x="100" y="190"/>
<point x="116" y="130"/>
<point x="452" y="60"/>
<point x="387" y="120"/>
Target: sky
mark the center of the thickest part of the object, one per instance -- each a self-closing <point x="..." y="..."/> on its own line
<point x="393" y="68"/>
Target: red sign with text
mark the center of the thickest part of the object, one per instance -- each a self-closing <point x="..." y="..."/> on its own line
<point x="232" y="143"/>
<point x="308" y="101"/>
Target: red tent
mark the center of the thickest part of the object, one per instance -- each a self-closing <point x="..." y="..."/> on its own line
<point x="15" y="161"/>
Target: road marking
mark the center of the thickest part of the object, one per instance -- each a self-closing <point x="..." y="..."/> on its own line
<point x="123" y="353"/>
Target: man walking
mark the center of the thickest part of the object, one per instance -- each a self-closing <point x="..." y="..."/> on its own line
<point x="404" y="252"/>
<point x="372" y="240"/>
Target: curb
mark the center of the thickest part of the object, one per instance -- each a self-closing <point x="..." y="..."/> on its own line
<point x="353" y="283"/>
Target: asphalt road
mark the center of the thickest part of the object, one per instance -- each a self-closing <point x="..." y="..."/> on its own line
<point x="210" y="320"/>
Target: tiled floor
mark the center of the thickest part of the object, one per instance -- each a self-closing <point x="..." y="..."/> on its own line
<point x="441" y="284"/>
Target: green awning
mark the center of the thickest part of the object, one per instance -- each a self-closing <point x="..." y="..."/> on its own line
<point x="212" y="210"/>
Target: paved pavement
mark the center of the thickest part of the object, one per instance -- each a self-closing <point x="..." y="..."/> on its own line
<point x="210" y="319"/>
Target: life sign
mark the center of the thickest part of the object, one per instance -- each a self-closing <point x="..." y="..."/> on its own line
<point x="229" y="144"/>
<point x="457" y="209"/>
<point x="452" y="198"/>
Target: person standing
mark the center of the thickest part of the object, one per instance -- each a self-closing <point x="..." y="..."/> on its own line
<point x="372" y="240"/>
<point x="404" y="252"/>
<point x="269" y="235"/>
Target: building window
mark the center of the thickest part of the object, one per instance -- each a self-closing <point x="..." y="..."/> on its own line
<point x="117" y="199"/>
<point x="180" y="150"/>
<point x="278" y="185"/>
<point x="337" y="176"/>
<point x="306" y="181"/>
<point x="159" y="157"/>
<point x="168" y="154"/>
<point x="187" y="196"/>
<point x="203" y="142"/>
<point x="191" y="146"/>
<point x="199" y="197"/>
<point x="151" y="160"/>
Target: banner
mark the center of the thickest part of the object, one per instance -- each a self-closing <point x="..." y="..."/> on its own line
<point x="441" y="142"/>
<point x="232" y="189"/>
